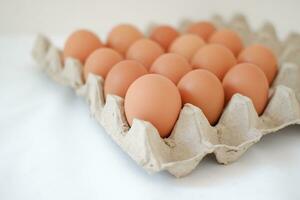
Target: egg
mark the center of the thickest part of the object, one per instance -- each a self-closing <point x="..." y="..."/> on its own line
<point x="248" y="80"/>
<point x="101" y="61"/>
<point x="172" y="66"/>
<point x="80" y="44"/>
<point x="229" y="39"/>
<point x="155" y="99"/>
<point x="215" y="58"/>
<point x="122" y="36"/>
<point x="120" y="77"/>
<point x="261" y="56"/>
<point x="203" y="29"/>
<point x="164" y="35"/>
<point x="187" y="45"/>
<point x="203" y="89"/>
<point x="144" y="51"/>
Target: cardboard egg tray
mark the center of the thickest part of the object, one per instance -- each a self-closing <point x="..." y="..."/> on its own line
<point x="192" y="137"/>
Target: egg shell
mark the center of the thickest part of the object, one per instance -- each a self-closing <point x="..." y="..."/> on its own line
<point x="203" y="29"/>
<point x="144" y="51"/>
<point x="187" y="45"/>
<point x="164" y="35"/>
<point x="155" y="99"/>
<point x="122" y="36"/>
<point x="80" y="44"/>
<point x="229" y="39"/>
<point x="248" y="80"/>
<point x="204" y="90"/>
<point x="101" y="61"/>
<point x="215" y="58"/>
<point x="261" y="56"/>
<point x="171" y="65"/>
<point x="121" y="76"/>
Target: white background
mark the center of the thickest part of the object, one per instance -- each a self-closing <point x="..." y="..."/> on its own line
<point x="51" y="149"/>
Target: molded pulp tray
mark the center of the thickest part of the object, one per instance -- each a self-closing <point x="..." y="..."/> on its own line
<point x="192" y="137"/>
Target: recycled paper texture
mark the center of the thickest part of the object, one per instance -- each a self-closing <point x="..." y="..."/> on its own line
<point x="192" y="137"/>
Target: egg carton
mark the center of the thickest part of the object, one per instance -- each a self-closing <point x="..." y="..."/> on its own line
<point x="192" y="137"/>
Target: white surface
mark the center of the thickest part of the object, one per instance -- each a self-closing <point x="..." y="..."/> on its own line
<point x="51" y="149"/>
<point x="63" y="16"/>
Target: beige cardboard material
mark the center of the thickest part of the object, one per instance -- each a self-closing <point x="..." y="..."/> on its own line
<point x="193" y="137"/>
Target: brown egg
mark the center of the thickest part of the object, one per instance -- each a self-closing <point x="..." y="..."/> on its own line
<point x="204" y="90"/>
<point x="122" y="36"/>
<point x="81" y="44"/>
<point x="164" y="35"/>
<point x="172" y="66"/>
<point x="262" y="57"/>
<point x="203" y="29"/>
<point x="187" y="45"/>
<point x="248" y="80"/>
<point x="101" y="61"/>
<point x="215" y="58"/>
<point x="144" y="51"/>
<point x="155" y="99"/>
<point x="229" y="39"/>
<point x="120" y="77"/>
